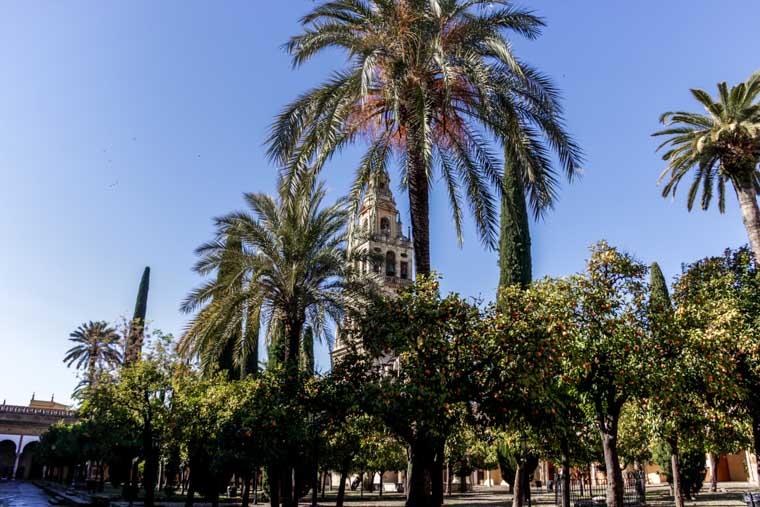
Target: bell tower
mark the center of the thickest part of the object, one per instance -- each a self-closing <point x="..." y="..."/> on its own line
<point x="377" y="233"/>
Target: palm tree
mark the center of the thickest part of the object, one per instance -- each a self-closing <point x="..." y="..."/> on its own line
<point x="720" y="146"/>
<point x="289" y="270"/>
<point x="430" y="83"/>
<point x="223" y="337"/>
<point x="96" y="345"/>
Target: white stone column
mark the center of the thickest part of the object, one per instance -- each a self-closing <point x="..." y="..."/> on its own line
<point x="751" y="467"/>
<point x="489" y="482"/>
<point x="18" y="456"/>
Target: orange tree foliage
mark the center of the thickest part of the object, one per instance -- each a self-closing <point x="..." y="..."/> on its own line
<point x="718" y="305"/>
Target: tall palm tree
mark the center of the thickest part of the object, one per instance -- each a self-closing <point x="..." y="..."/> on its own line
<point x="720" y="146"/>
<point x="96" y="345"/>
<point x="432" y="83"/>
<point x="289" y="270"/>
<point x="223" y="338"/>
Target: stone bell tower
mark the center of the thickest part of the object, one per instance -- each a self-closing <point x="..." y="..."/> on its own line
<point x="378" y="232"/>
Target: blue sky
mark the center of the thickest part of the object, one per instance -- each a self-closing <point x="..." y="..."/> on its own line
<point x="126" y="126"/>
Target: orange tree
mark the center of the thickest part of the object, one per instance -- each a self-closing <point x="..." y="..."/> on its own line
<point x="521" y="388"/>
<point x="608" y="357"/>
<point x="422" y="353"/>
<point x="718" y="304"/>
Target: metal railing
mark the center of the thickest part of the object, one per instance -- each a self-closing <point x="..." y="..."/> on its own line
<point x="585" y="494"/>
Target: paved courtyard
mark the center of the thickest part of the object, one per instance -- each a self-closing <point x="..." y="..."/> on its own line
<point x="21" y="494"/>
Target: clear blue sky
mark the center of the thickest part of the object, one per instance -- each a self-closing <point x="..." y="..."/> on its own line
<point x="126" y="126"/>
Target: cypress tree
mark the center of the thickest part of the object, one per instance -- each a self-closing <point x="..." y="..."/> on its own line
<point x="514" y="243"/>
<point x="250" y="351"/>
<point x="137" y="325"/>
<point x="659" y="297"/>
<point x="226" y="359"/>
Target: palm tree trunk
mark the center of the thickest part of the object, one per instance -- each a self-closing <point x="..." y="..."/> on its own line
<point x="745" y="191"/>
<point x="419" y="203"/>
<point x="92" y="365"/>
<point x="293" y="348"/>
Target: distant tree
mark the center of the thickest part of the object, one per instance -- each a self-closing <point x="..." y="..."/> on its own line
<point x="426" y="82"/>
<point x="718" y="147"/>
<point x="96" y="346"/>
<point x="293" y="265"/>
<point x="136" y="333"/>
<point x="223" y="336"/>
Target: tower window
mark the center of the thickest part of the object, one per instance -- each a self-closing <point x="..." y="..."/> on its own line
<point x="385" y="225"/>
<point x="390" y="264"/>
<point x="404" y="270"/>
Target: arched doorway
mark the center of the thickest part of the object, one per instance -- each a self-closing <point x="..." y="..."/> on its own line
<point x="28" y="465"/>
<point x="7" y="458"/>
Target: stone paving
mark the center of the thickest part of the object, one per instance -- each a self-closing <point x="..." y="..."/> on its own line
<point x="24" y="494"/>
<point x="21" y="494"/>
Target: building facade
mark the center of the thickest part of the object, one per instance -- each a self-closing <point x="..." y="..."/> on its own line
<point x="20" y="430"/>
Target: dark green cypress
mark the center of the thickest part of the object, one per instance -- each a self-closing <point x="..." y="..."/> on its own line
<point x="251" y="342"/>
<point x="514" y="243"/>
<point x="226" y="359"/>
<point x="659" y="296"/>
<point x="137" y="326"/>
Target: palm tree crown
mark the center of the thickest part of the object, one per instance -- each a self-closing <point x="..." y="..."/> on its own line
<point x="431" y="83"/>
<point x="720" y="146"/>
<point x="96" y="345"/>
<point x="289" y="269"/>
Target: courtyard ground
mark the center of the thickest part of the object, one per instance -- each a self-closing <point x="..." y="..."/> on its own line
<point x="22" y="494"/>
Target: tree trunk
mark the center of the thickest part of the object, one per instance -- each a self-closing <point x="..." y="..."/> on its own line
<point x="151" y="464"/>
<point x="381" y="482"/>
<point x="745" y="191"/>
<point x="246" y="491"/>
<point x="419" y="201"/>
<point x="342" y="485"/>
<point x="615" y="491"/>
<point x="676" y="473"/>
<point x="514" y="241"/>
<point x="565" y="486"/>
<point x="714" y="459"/>
<point x="518" y="495"/>
<point x="463" y="483"/>
<point x="287" y="487"/>
<point x="255" y="486"/>
<point x="273" y="475"/>
<point x="293" y="348"/>
<point x="420" y="475"/>
<point x="315" y="485"/>
<point x="190" y="497"/>
<point x="756" y="440"/>
<point x="436" y="476"/>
